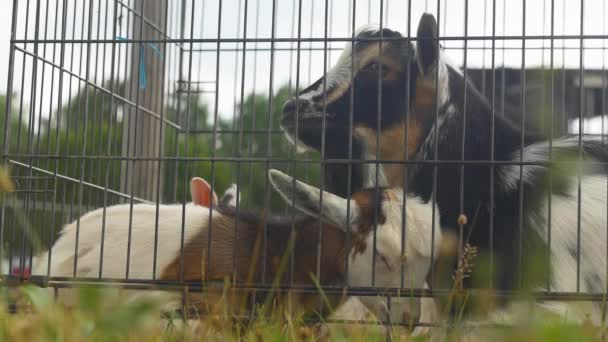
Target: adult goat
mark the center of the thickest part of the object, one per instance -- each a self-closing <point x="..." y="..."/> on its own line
<point x="519" y="191"/>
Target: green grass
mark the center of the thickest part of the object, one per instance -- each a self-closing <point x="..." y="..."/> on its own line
<point x="102" y="314"/>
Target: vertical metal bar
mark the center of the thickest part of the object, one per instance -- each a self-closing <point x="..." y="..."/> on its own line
<point x="96" y="111"/>
<point x="492" y="147"/>
<point x="350" y="140"/>
<point x="178" y="95"/>
<point x="294" y="155"/>
<point x="270" y="108"/>
<point x="79" y="93"/>
<point x="603" y="74"/>
<point x="378" y="156"/>
<point x="405" y="140"/>
<point x="254" y="133"/>
<point x="503" y="81"/>
<point x="542" y="72"/>
<point x="294" y="148"/>
<point x="292" y="28"/>
<point x="7" y="122"/>
<point x="84" y="134"/>
<point x="215" y="121"/>
<point x="19" y="128"/>
<point x="550" y="170"/>
<point x="323" y="128"/>
<point x="109" y="146"/>
<point x="564" y="74"/>
<point x="580" y="148"/>
<point x="36" y="221"/>
<point x="331" y="28"/>
<point x="312" y="15"/>
<point x="435" y="152"/>
<point x="306" y="166"/>
<point x="603" y="119"/>
<point x="135" y="136"/>
<point x="236" y="74"/>
<point x="59" y="117"/>
<point x="199" y="77"/>
<point x="50" y="118"/>
<point x="30" y="137"/>
<point x="160" y="147"/>
<point x="238" y="149"/>
<point x="464" y="132"/>
<point x="186" y="147"/>
<point x="483" y="50"/>
<point x="521" y="147"/>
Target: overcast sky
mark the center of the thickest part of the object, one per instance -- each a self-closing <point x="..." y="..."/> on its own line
<point x="509" y="21"/>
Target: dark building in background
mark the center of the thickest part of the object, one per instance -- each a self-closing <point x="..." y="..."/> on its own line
<point x="550" y="95"/>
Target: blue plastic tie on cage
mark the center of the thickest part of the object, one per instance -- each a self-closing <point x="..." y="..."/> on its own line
<point x="143" y="78"/>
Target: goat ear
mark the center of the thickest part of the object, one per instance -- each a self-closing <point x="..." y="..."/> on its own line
<point x="428" y="45"/>
<point x="307" y="200"/>
<point x="230" y="196"/>
<point x="201" y="193"/>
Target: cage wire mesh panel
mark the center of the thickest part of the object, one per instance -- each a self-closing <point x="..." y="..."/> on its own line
<point x="123" y="102"/>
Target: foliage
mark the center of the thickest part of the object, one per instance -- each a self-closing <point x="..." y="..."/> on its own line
<point x="244" y="146"/>
<point x="103" y="314"/>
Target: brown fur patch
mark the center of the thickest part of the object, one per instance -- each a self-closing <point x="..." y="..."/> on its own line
<point x="425" y="95"/>
<point x="250" y="254"/>
<point x="393" y="146"/>
<point x="371" y="213"/>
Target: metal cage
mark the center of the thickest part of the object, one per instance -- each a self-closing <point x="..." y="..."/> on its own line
<point x="123" y="101"/>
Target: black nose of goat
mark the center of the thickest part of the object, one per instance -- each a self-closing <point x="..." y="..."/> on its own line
<point x="294" y="105"/>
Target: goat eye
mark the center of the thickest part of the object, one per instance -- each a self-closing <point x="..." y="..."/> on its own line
<point x="374" y="67"/>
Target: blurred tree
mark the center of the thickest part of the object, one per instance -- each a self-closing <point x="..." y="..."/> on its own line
<point x="244" y="148"/>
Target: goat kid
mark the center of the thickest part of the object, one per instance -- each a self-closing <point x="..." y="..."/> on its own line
<point x="234" y="249"/>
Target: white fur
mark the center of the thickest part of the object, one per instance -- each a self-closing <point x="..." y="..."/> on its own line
<point x="232" y="192"/>
<point x="593" y="245"/>
<point x="301" y="147"/>
<point x="417" y="251"/>
<point x="339" y="76"/>
<point x="370" y="169"/>
<point x="437" y="76"/>
<point x="116" y="241"/>
<point x="416" y="263"/>
<point x="416" y="258"/>
<point x="426" y="150"/>
<point x="537" y="152"/>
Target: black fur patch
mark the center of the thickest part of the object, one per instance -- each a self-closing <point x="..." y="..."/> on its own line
<point x="428" y="46"/>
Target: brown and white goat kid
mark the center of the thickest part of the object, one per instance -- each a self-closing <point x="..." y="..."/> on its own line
<point x="238" y="241"/>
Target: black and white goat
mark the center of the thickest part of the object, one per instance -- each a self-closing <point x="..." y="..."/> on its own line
<point x="237" y="241"/>
<point x="428" y="106"/>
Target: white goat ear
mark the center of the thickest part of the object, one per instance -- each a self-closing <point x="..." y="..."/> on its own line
<point x="307" y="200"/>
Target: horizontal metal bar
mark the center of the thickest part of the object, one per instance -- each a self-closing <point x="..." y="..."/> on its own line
<point x="74" y="180"/>
<point x="100" y="88"/>
<point x="304" y="39"/>
<point x="196" y="82"/>
<point x="328" y="290"/>
<point x="310" y="161"/>
<point x="506" y="48"/>
<point x="146" y="20"/>
<point x="232" y="131"/>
